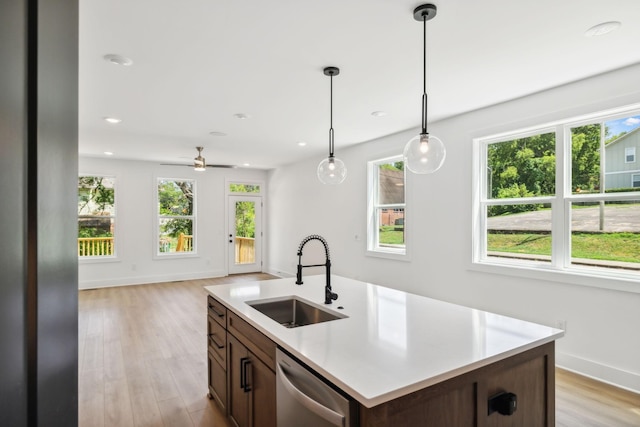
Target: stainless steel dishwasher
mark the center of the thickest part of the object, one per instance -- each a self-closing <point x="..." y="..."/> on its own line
<point x="303" y="399"/>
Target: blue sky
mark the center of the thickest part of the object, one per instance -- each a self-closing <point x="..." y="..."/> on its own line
<point x="626" y="124"/>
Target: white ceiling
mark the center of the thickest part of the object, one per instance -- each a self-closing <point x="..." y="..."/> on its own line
<point x="196" y="63"/>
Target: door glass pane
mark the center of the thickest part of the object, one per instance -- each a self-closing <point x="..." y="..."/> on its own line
<point x="245" y="232"/>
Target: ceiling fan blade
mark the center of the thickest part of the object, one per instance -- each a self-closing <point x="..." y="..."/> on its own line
<point x="209" y="166"/>
<point x="221" y="166"/>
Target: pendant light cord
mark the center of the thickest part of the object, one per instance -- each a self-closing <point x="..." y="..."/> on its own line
<point x="424" y="76"/>
<point x="331" y="118"/>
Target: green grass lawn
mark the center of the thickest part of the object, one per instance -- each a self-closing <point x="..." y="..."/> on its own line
<point x="623" y="247"/>
<point x="390" y="236"/>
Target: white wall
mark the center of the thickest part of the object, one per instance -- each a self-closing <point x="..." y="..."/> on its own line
<point x="135" y="224"/>
<point x="602" y="338"/>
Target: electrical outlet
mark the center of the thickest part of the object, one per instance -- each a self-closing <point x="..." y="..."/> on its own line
<point x="561" y="324"/>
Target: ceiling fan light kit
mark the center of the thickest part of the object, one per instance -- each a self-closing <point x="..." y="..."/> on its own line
<point x="331" y="170"/>
<point x="199" y="163"/>
<point x="424" y="153"/>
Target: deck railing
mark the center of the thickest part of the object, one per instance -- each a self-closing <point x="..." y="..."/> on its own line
<point x="95" y="246"/>
<point x="185" y="243"/>
<point x="103" y="246"/>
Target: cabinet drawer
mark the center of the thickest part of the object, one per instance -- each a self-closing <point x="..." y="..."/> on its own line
<point x="217" y="311"/>
<point x="217" y="381"/>
<point x="217" y="338"/>
<point x="254" y="340"/>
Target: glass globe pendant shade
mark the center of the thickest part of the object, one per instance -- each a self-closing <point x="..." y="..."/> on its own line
<point x="424" y="154"/>
<point x="332" y="171"/>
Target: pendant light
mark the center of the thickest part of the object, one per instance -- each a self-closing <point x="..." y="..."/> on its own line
<point x="331" y="170"/>
<point x="424" y="153"/>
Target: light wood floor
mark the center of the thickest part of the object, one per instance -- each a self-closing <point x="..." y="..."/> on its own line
<point x="142" y="362"/>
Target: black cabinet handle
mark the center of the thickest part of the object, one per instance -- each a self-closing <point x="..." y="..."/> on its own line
<point x="244" y="383"/>
<point x="242" y="372"/>
<point x="212" y="338"/>
<point x="212" y="308"/>
<point x="504" y="403"/>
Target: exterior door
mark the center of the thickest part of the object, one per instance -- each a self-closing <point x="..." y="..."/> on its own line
<point x="245" y="234"/>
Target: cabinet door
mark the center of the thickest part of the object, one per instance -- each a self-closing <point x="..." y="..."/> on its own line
<point x="263" y="389"/>
<point x="238" y="390"/>
<point x="217" y="381"/>
<point x="528" y="381"/>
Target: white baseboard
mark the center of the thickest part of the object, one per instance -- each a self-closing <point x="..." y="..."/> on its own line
<point x="607" y="374"/>
<point x="279" y="273"/>
<point x="141" y="280"/>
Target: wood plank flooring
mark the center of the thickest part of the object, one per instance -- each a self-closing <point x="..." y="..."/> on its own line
<point x="142" y="362"/>
<point x="142" y="355"/>
<point x="584" y="402"/>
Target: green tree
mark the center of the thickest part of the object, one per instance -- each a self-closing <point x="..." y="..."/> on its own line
<point x="522" y="166"/>
<point x="246" y="219"/>
<point x="175" y="198"/>
<point x="585" y="157"/>
<point x="96" y="202"/>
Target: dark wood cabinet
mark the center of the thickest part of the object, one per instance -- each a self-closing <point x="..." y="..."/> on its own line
<point x="242" y="375"/>
<point x="217" y="352"/>
<point x="242" y="380"/>
<point x="253" y="385"/>
<point x="464" y="400"/>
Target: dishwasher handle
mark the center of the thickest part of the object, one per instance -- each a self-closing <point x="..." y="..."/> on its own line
<point x="322" y="411"/>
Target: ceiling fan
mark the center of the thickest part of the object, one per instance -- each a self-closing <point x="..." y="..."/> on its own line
<point x="199" y="163"/>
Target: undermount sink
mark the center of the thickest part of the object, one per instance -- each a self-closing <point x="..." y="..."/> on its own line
<point x="292" y="311"/>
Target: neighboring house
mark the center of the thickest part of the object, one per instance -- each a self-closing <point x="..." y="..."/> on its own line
<point x="621" y="161"/>
<point x="392" y="191"/>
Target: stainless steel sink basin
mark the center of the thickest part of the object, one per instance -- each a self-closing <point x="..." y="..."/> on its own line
<point x="292" y="311"/>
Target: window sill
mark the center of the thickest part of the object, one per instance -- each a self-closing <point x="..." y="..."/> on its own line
<point x="581" y="276"/>
<point x="394" y="255"/>
<point x="97" y="259"/>
<point x="175" y="255"/>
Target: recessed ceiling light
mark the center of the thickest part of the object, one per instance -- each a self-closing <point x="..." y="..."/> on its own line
<point x="112" y="120"/>
<point x="602" y="29"/>
<point x="301" y="143"/>
<point x="241" y="116"/>
<point x="246" y="164"/>
<point x="118" y="59"/>
<point x="108" y="153"/>
<point x="379" y="113"/>
<point x="216" y="133"/>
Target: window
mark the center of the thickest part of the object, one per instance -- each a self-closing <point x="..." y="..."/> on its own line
<point x="235" y="187"/>
<point x="557" y="197"/>
<point x="176" y="216"/>
<point x="96" y="216"/>
<point x="630" y="155"/>
<point x="386" y="234"/>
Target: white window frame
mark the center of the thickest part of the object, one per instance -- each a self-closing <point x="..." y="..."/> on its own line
<point x="116" y="240"/>
<point x="560" y="268"/>
<point x="373" y="226"/>
<point x="633" y="179"/>
<point x="158" y="217"/>
<point x="629" y="151"/>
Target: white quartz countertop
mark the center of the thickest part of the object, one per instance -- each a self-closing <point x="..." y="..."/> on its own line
<point x="392" y="343"/>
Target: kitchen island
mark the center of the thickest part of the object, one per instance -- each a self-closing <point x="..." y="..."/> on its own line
<point x="401" y="356"/>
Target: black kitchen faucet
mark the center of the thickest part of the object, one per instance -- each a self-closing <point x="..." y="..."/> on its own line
<point x="329" y="296"/>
